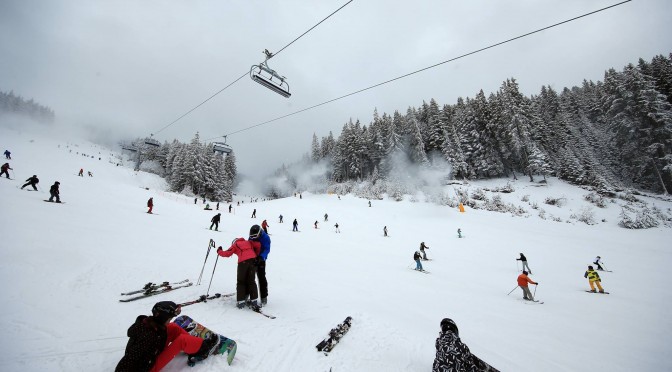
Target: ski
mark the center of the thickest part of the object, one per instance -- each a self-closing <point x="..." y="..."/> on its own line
<point x="335" y="335"/>
<point x="598" y="292"/>
<point x="153" y="286"/>
<point x="204" y="298"/>
<point x="154" y="293"/>
<point x="422" y="271"/>
<point x="258" y="310"/>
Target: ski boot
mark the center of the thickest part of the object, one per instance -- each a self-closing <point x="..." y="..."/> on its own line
<point x="204" y="351"/>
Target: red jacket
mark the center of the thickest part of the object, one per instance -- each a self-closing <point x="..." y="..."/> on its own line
<point x="150" y="202"/>
<point x="244" y="249"/>
<point x="523" y="280"/>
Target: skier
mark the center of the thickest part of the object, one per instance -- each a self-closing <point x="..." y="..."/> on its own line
<point x="422" y="250"/>
<point x="32" y="181"/>
<point x="247" y="251"/>
<point x="254" y="213"/>
<point x="230" y="208"/>
<point x="295" y="225"/>
<point x="264" y="225"/>
<point x="369" y="203"/>
<point x="459" y="233"/>
<point x="452" y="355"/>
<point x="150" y="205"/>
<point x="81" y="172"/>
<point x="280" y="218"/>
<point x="8" y="155"/>
<point x="385" y="231"/>
<point x="594" y="279"/>
<point x="315" y="224"/>
<point x="265" y="241"/>
<point x="523" y="280"/>
<point x="598" y="261"/>
<point x="217" y="205"/>
<point x="215" y="221"/>
<point x="54" y="192"/>
<point x="523" y="260"/>
<point x="4" y="169"/>
<point x="154" y="341"/>
<point x="195" y="200"/>
<point x="416" y="258"/>
<point x="326" y="217"/>
<point x="337" y="229"/>
<point x="90" y="174"/>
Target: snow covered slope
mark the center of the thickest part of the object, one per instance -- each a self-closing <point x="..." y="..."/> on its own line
<point x="64" y="266"/>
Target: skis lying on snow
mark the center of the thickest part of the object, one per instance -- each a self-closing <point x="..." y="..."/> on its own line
<point x="204" y="298"/>
<point x="335" y="336"/>
<point x="152" y="287"/>
<point x="159" y="291"/>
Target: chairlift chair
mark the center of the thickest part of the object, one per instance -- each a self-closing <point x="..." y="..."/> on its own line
<point x="264" y="75"/>
<point x="221" y="148"/>
<point x="129" y="148"/>
<point x="152" y="142"/>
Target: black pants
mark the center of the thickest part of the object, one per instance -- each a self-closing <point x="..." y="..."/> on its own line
<point x="31" y="184"/>
<point x="4" y="172"/>
<point x="215" y="224"/>
<point x="54" y="195"/>
<point x="246" y="286"/>
<point x="261" y="274"/>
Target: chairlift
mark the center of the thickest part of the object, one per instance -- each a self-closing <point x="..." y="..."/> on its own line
<point x="130" y="148"/>
<point x="221" y="147"/>
<point x="264" y="75"/>
<point x="152" y="142"/>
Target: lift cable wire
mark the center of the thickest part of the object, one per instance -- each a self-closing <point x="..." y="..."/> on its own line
<point x="424" y="69"/>
<point x="246" y="72"/>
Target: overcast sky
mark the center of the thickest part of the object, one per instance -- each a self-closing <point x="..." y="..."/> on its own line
<point x="134" y="66"/>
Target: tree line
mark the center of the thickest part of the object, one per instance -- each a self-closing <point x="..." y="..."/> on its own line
<point x="10" y="103"/>
<point x="607" y="134"/>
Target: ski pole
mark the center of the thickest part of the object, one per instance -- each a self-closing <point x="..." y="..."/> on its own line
<point x="514" y="288"/>
<point x="211" y="244"/>
<point x="213" y="275"/>
<point x="535" y="291"/>
<point x="517" y="268"/>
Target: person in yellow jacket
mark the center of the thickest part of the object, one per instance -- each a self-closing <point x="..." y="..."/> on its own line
<point x="593" y="279"/>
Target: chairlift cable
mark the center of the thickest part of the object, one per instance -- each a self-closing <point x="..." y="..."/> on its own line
<point x="426" y="68"/>
<point x="246" y="72"/>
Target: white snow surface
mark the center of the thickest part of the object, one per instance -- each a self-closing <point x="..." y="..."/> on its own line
<point x="63" y="268"/>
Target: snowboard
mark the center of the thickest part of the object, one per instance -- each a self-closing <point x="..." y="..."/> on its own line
<point x="194" y="328"/>
<point x="598" y="292"/>
<point x="54" y="202"/>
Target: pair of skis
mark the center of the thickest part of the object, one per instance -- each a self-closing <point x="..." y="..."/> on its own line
<point x="335" y="335"/>
<point x="151" y="289"/>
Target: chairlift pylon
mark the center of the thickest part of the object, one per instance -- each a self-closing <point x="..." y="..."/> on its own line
<point x="264" y="75"/>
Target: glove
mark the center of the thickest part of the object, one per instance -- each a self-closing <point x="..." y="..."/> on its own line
<point x="537" y="283"/>
<point x="219" y="248"/>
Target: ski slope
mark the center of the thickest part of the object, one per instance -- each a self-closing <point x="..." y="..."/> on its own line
<point x="64" y="266"/>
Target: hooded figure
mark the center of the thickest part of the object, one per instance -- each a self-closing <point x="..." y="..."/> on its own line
<point x="454" y="356"/>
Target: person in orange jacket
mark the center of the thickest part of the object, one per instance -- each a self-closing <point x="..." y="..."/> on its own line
<point x="523" y="280"/>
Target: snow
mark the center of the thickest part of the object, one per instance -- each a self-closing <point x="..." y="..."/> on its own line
<point x="64" y="267"/>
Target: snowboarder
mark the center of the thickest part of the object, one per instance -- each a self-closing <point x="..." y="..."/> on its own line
<point x="326" y="217"/>
<point x="598" y="261"/>
<point x="207" y="207"/>
<point x="280" y="218"/>
<point x="593" y="279"/>
<point x="4" y="169"/>
<point x="81" y="172"/>
<point x="315" y="224"/>
<point x="215" y="221"/>
<point x="230" y="208"/>
<point x="453" y="355"/>
<point x="32" y="181"/>
<point x="8" y="155"/>
<point x="337" y="229"/>
<point x="54" y="192"/>
<point x="295" y="225"/>
<point x="154" y="341"/>
<point x="422" y="250"/>
<point x="265" y="241"/>
<point x="90" y="174"/>
<point x="385" y="231"/>
<point x="265" y="225"/>
<point x="247" y="251"/>
<point x="523" y="280"/>
<point x="254" y="213"/>
<point x="150" y="205"/>
<point x="459" y="233"/>
<point x="523" y="260"/>
<point x="416" y="258"/>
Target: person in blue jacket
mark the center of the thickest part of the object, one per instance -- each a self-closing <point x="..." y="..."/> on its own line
<point x="258" y="234"/>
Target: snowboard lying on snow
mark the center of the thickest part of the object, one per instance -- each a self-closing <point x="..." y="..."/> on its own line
<point x="225" y="344"/>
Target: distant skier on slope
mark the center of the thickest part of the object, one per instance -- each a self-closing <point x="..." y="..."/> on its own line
<point x="337" y="229"/>
<point x="230" y="208"/>
<point x="385" y="231"/>
<point x="295" y="225"/>
<point x="326" y="217"/>
<point x="8" y="155"/>
<point x="454" y="356"/>
<point x="598" y="261"/>
<point x="215" y="221"/>
<point x="150" y="205"/>
<point x="4" y="169"/>
<point x="315" y="224"/>
<point x="264" y="226"/>
<point x="247" y="251"/>
<point x="523" y="280"/>
<point x="32" y="181"/>
<point x="525" y="266"/>
<point x="416" y="258"/>
<point x="593" y="279"/>
<point x="81" y="172"/>
<point x="280" y="218"/>
<point x="422" y="250"/>
<point x="55" y="192"/>
<point x="254" y="213"/>
<point x="154" y="341"/>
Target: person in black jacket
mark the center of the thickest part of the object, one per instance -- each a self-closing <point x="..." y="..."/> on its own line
<point x="154" y="341"/>
<point x="422" y="250"/>
<point x="32" y="181"/>
<point x="215" y="221"/>
<point x="523" y="260"/>
<point x="454" y="356"/>
<point x="4" y="170"/>
<point x="53" y="191"/>
<point x="416" y="258"/>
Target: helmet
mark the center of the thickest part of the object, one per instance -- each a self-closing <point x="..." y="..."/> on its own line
<point x="448" y="324"/>
<point x="165" y="310"/>
<point x="57" y="183"/>
<point x="34" y="175"/>
<point x="590" y="267"/>
<point x="524" y="272"/>
<point x="255" y="231"/>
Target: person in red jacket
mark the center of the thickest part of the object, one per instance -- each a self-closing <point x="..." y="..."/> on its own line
<point x="264" y="225"/>
<point x="247" y="251"/>
<point x="150" y="205"/>
<point x="523" y="280"/>
<point x="154" y="341"/>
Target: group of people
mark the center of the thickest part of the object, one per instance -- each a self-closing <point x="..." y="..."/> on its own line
<point x="81" y="173"/>
<point x="54" y="191"/>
